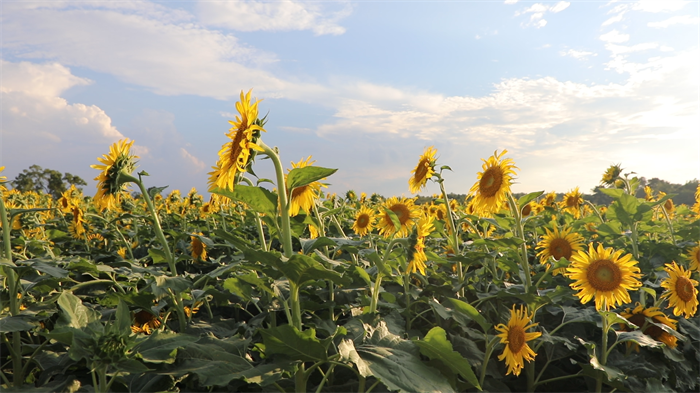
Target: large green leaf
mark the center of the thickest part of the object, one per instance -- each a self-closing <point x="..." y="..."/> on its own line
<point x="50" y="269"/>
<point x="436" y="346"/>
<point x="471" y="312"/>
<point x="258" y="198"/>
<point x="162" y="347"/>
<point x="176" y="284"/>
<point x="523" y="200"/>
<point x="347" y="352"/>
<point x="75" y="314"/>
<point x="14" y="324"/>
<point x="301" y="269"/>
<point x="299" y="177"/>
<point x="288" y="340"/>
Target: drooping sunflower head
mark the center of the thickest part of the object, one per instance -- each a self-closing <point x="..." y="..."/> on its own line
<point x="639" y="315"/>
<point x="364" y="221"/>
<point x="611" y="174"/>
<point x="235" y="155"/>
<point x="111" y="182"/>
<point x="425" y="169"/>
<point x="557" y="245"/>
<point x="603" y="274"/>
<point x="515" y="336"/>
<point x="648" y="194"/>
<point x="572" y="202"/>
<point x="550" y="199"/>
<point x="493" y="185"/>
<point x="304" y="197"/>
<point x="681" y="290"/>
<point x="198" y="248"/>
<point x="694" y="256"/>
<point x="416" y="250"/>
<point x="145" y="322"/>
<point x="406" y="212"/>
<point x="76" y="227"/>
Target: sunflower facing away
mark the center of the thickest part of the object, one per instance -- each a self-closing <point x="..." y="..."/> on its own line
<point x="424" y="170"/>
<point x="304" y="197"/>
<point x="559" y="245"/>
<point x="364" y="221"/>
<point x="611" y="174"/>
<point x="638" y="317"/>
<point x="681" y="291"/>
<point x="603" y="274"/>
<point x="197" y="248"/>
<point x="514" y="336"/>
<point x="572" y="202"/>
<point x="416" y="253"/>
<point x="234" y="155"/>
<point x="493" y="185"/>
<point x="405" y="210"/>
<point x="109" y="184"/>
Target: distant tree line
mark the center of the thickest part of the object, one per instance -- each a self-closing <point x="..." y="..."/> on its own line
<point x="48" y="181"/>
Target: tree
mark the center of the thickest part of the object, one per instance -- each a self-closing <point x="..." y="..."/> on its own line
<point x="50" y="181"/>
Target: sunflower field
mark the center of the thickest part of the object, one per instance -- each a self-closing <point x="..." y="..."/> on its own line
<point x="278" y="286"/>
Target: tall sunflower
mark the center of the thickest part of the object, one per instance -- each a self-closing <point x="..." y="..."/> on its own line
<point x="572" y="202"/>
<point x="694" y="256"/>
<point x="406" y="211"/>
<point x="109" y="184"/>
<point x="304" y="197"/>
<point x="516" y="351"/>
<point x="364" y="221"/>
<point x="493" y="185"/>
<point x="234" y="155"/>
<point x="416" y="252"/>
<point x="611" y="174"/>
<point x="681" y="291"/>
<point x="603" y="274"/>
<point x="197" y="248"/>
<point x="638" y="317"/>
<point x="424" y="170"/>
<point x="557" y="245"/>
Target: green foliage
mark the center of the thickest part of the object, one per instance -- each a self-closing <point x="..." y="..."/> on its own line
<point x="50" y="181"/>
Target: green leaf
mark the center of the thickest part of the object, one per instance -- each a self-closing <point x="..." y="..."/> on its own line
<point x="525" y="199"/>
<point x="469" y="311"/>
<point x="288" y="340"/>
<point x="161" y="347"/>
<point x="347" y="352"/>
<point x="122" y="322"/>
<point x="258" y="198"/>
<point x="313" y="244"/>
<point x="153" y="191"/>
<point x="299" y="177"/>
<point x="239" y="288"/>
<point x="301" y="269"/>
<point x="163" y="283"/>
<point x="157" y="255"/>
<point x="51" y="270"/>
<point x="14" y="324"/>
<point x="614" y="193"/>
<point x="638" y="337"/>
<point x="436" y="346"/>
<point x="612" y="373"/>
<point x="75" y="314"/>
<point x="394" y="218"/>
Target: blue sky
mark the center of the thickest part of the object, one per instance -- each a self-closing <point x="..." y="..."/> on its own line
<point x="568" y="88"/>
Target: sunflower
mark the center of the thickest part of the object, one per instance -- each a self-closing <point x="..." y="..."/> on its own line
<point x="559" y="245"/>
<point x="304" y="197"/>
<point x="696" y="205"/>
<point x="550" y="199"/>
<point x="515" y="338"/>
<point x="364" y="221"/>
<point x="405" y="210"/>
<point x="681" y="291"/>
<point x="602" y="273"/>
<point x="694" y="256"/>
<point x="611" y="174"/>
<point x="76" y="228"/>
<point x="638" y="317"/>
<point x="69" y="199"/>
<point x="234" y="155"/>
<point x="109" y="185"/>
<point x="648" y="194"/>
<point x="572" y="202"/>
<point x="145" y="322"/>
<point x="3" y="180"/>
<point x="313" y="231"/>
<point x="493" y="185"/>
<point x="424" y="170"/>
<point x="416" y="252"/>
<point x="198" y="248"/>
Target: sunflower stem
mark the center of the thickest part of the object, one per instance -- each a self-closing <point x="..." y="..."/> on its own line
<point x="669" y="223"/>
<point x="490" y="345"/>
<point x="635" y="236"/>
<point x="286" y="230"/>
<point x="258" y="222"/>
<point x="603" y="352"/>
<point x="454" y="236"/>
<point x="5" y="229"/>
<point x="520" y="233"/>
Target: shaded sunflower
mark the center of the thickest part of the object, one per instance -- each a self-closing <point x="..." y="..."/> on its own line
<point x="110" y="184"/>
<point x="559" y="245"/>
<point x="364" y="221"/>
<point x="234" y="155"/>
<point x="76" y="227"/>
<point x="514" y="336"/>
<point x="603" y="274"/>
<point x="198" y="248"/>
<point x="69" y="198"/>
<point x="694" y="256"/>
<point x="3" y="180"/>
<point x="638" y="317"/>
<point x="493" y="185"/>
<point x="313" y="231"/>
<point x="423" y="171"/>
<point x="572" y="202"/>
<point x="416" y="251"/>
<point x="406" y="211"/>
<point x="304" y="197"/>
<point x="611" y="174"/>
<point x="681" y="291"/>
<point x="145" y="322"/>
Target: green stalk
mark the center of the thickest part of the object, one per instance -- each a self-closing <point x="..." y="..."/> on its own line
<point x="669" y="223"/>
<point x="603" y="353"/>
<point x="286" y="230"/>
<point x="258" y="222"/>
<point x="635" y="236"/>
<point x="13" y="281"/>
<point x="5" y="229"/>
<point x="378" y="280"/>
<point x="454" y="237"/>
<point x="300" y="379"/>
<point x="520" y="233"/>
<point x="295" y="304"/>
<point x="490" y="345"/>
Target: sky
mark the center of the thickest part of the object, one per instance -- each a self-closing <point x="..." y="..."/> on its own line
<point x="568" y="88"/>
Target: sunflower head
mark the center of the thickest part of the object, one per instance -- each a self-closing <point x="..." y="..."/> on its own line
<point x="550" y="199"/>
<point x="364" y="221"/>
<point x="3" y="180"/>
<point x="198" y="248"/>
<point x="515" y="337"/>
<point x="493" y="184"/>
<point x="406" y="212"/>
<point x="611" y="174"/>
<point x="425" y="169"/>
<point x="416" y="249"/>
<point x="304" y="197"/>
<point x="557" y="245"/>
<point x="681" y="290"/>
<point x="603" y="274"/>
<point x="639" y="316"/>
<point x="572" y="202"/>
<point x="694" y="256"/>
<point x="111" y="181"/>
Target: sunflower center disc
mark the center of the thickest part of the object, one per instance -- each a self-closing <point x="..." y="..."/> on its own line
<point x="491" y="181"/>
<point x="604" y="275"/>
<point x="571" y="201"/>
<point x="422" y="170"/>
<point x="516" y="338"/>
<point x="401" y="212"/>
<point x="362" y="221"/>
<point x="560" y="248"/>
<point x="684" y="289"/>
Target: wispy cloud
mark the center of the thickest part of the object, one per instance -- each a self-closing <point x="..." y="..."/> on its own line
<point x="675" y="20"/>
<point x="577" y="54"/>
<point x="538" y="11"/>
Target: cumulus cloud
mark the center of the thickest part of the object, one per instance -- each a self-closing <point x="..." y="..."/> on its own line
<point x="273" y="16"/>
<point x="538" y="10"/>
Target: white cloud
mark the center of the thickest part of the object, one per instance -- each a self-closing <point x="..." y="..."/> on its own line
<point x="193" y="161"/>
<point x="273" y="16"/>
<point x="511" y="1"/>
<point x="615" y="37"/>
<point x="659" y="6"/>
<point x="675" y="20"/>
<point x="576" y="54"/>
<point x="538" y="10"/>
